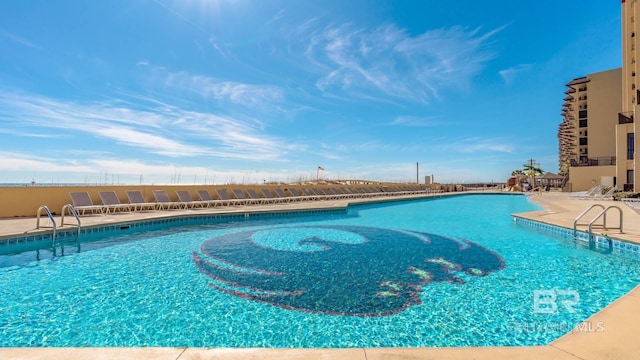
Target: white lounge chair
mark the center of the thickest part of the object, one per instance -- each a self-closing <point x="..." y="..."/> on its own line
<point x="586" y="194"/>
<point x="137" y="200"/>
<point x="633" y="203"/>
<point x="112" y="203"/>
<point x="224" y="196"/>
<point x="82" y="203"/>
<point x="185" y="198"/>
<point x="280" y="196"/>
<point x="164" y="201"/>
<point x="206" y="197"/>
<point x="253" y="195"/>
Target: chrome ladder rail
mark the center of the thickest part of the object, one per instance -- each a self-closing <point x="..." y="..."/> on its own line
<point x="575" y="222"/>
<point x="603" y="214"/>
<point x="73" y="212"/>
<point x="53" y="221"/>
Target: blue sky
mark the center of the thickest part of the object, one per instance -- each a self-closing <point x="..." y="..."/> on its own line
<point x="217" y="91"/>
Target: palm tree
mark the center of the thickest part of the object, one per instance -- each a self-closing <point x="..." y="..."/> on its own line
<point x="531" y="170"/>
<point x="519" y="175"/>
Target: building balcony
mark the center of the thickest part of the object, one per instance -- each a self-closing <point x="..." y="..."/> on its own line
<point x="625" y="117"/>
<point x="595" y="161"/>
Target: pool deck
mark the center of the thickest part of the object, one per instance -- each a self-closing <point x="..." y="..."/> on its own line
<point x="620" y="321"/>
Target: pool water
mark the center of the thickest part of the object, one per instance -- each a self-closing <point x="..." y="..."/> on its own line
<point x="453" y="271"/>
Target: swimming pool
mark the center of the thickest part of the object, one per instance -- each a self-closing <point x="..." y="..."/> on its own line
<point x="455" y="271"/>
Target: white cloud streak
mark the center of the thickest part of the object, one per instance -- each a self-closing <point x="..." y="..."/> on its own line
<point x="509" y="75"/>
<point x="161" y="129"/>
<point x="476" y="144"/>
<point x="18" y="39"/>
<point x="220" y="90"/>
<point x="390" y="62"/>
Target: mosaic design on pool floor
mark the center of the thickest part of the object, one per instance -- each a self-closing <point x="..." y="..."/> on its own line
<point x="344" y="270"/>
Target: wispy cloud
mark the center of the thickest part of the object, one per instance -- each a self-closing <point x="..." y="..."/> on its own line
<point x="416" y="121"/>
<point x="221" y="90"/>
<point x="126" y="171"/>
<point x="509" y="75"/>
<point x="18" y="39"/>
<point x="32" y="134"/>
<point x="389" y="62"/>
<point x="160" y="129"/>
<point x="16" y="161"/>
<point x="477" y="144"/>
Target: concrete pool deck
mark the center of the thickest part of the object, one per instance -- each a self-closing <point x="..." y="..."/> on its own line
<point x="616" y="339"/>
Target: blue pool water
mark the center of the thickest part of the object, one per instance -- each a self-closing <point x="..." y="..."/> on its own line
<point x="454" y="271"/>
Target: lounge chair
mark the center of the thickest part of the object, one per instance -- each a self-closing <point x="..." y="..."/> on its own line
<point x="224" y="196"/>
<point x="82" y="203"/>
<point x="633" y="203"/>
<point x="239" y="194"/>
<point x="314" y="193"/>
<point x="328" y="193"/>
<point x="164" y="201"/>
<point x="282" y="195"/>
<point x="253" y="195"/>
<point x="363" y="192"/>
<point x="137" y="200"/>
<point x="206" y="197"/>
<point x="342" y="193"/>
<point x="586" y="194"/>
<point x="112" y="203"/>
<point x="607" y="195"/>
<point x="185" y="198"/>
<point x="349" y="192"/>
<point x="297" y="195"/>
<point x="274" y="199"/>
<point x="308" y="195"/>
<point x="375" y="191"/>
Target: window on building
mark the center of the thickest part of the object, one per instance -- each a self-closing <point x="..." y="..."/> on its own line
<point x="630" y="146"/>
<point x="583" y="141"/>
<point x="582" y="114"/>
<point x="583" y="123"/>
<point x="629" y="176"/>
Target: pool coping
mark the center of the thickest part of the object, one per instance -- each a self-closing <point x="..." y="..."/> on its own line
<point x="621" y="321"/>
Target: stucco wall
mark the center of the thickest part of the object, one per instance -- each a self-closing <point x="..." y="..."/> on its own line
<point x="24" y="201"/>
<point x="585" y="177"/>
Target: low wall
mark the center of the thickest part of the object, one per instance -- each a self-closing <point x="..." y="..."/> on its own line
<point x="16" y="201"/>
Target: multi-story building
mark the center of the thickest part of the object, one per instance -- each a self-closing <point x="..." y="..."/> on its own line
<point x="627" y="127"/>
<point x="587" y="134"/>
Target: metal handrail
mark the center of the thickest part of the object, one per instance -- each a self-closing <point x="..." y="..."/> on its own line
<point x="575" y="222"/>
<point x="73" y="212"/>
<point x="603" y="214"/>
<point x="53" y="221"/>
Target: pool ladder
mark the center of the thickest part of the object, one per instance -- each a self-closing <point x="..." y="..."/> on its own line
<point x="602" y="214"/>
<point x="51" y="219"/>
<point x="72" y="211"/>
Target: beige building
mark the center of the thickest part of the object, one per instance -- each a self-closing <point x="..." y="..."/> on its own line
<point x="587" y="134"/>
<point x="627" y="127"/>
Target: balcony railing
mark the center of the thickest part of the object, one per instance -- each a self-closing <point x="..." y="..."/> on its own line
<point x="595" y="161"/>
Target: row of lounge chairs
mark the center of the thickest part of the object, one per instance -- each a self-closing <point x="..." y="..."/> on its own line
<point x="600" y="192"/>
<point x="136" y="201"/>
<point x="633" y="203"/>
